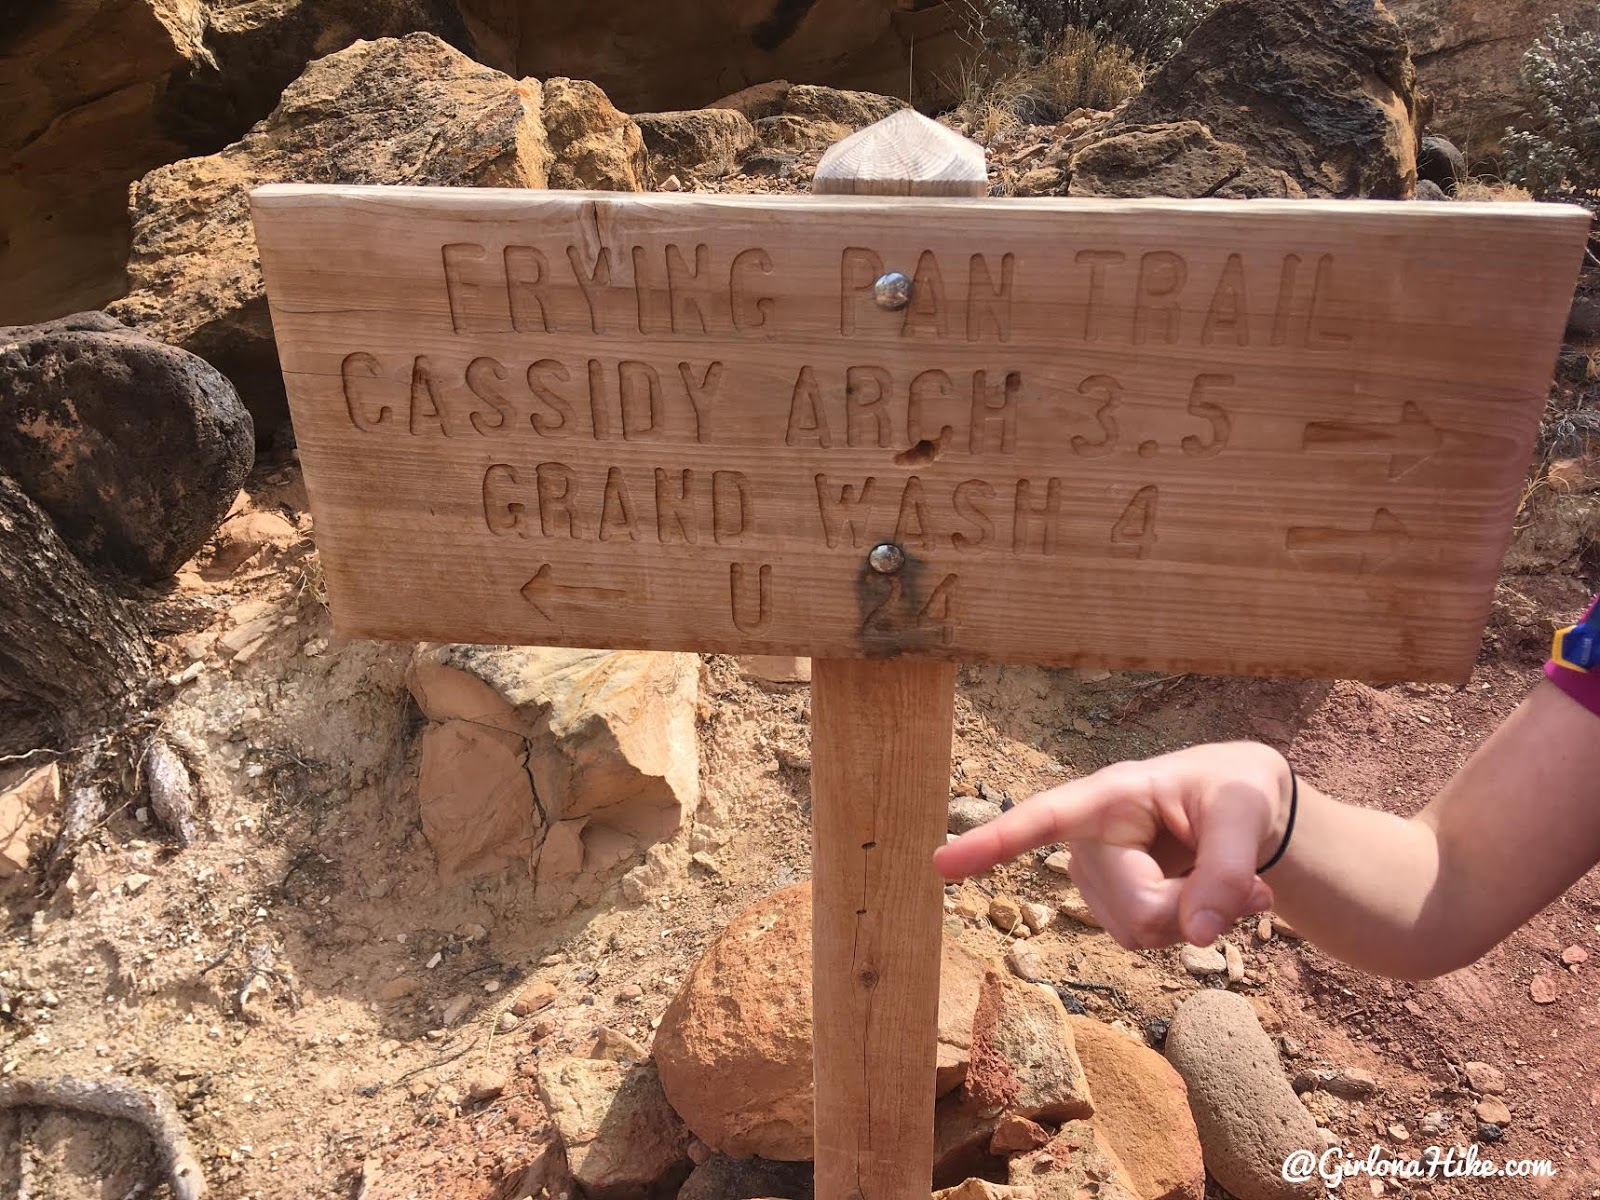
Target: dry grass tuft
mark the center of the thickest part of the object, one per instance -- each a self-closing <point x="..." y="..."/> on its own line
<point x="1082" y="71"/>
<point x="1482" y="190"/>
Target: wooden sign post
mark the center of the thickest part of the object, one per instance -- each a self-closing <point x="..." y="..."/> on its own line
<point x="895" y="426"/>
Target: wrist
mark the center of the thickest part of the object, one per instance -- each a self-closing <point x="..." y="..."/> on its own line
<point x="1283" y="793"/>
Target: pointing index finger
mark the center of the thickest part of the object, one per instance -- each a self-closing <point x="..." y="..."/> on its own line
<point x="1070" y="811"/>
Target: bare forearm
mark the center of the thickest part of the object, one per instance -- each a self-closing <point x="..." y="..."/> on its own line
<point x="1358" y="883"/>
<point x="1514" y="828"/>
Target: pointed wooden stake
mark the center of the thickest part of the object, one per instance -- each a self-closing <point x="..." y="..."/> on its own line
<point x="880" y="784"/>
<point x="903" y="155"/>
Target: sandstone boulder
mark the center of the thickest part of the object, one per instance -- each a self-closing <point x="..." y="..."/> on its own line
<point x="397" y="110"/>
<point x="651" y="56"/>
<point x="814" y="118"/>
<point x="1023" y="1057"/>
<point x="622" y="1139"/>
<point x="1141" y="1109"/>
<point x="756" y="101"/>
<point x="1076" y="1163"/>
<point x="593" y="145"/>
<point x="576" y="761"/>
<point x="704" y="143"/>
<point x="1468" y="56"/>
<point x="1182" y="160"/>
<point x="961" y="975"/>
<point x="982" y="1189"/>
<point x="135" y="449"/>
<point x="94" y="95"/>
<point x="1248" y="1117"/>
<point x="476" y="800"/>
<point x="734" y="1046"/>
<point x="1323" y="90"/>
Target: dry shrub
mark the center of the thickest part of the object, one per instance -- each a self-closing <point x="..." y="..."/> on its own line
<point x="1082" y="71"/>
<point x="1481" y="190"/>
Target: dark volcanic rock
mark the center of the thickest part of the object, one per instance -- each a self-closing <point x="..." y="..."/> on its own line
<point x="135" y="449"/>
<point x="1321" y="89"/>
<point x="1181" y="160"/>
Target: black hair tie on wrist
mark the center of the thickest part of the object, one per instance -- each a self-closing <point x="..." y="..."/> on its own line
<point x="1288" y="829"/>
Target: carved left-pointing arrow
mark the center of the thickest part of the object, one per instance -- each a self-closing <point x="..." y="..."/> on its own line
<point x="542" y="590"/>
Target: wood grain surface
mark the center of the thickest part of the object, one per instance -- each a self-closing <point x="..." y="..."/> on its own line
<point x="1255" y="437"/>
<point x="880" y="783"/>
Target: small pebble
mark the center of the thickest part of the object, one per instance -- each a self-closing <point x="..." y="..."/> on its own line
<point x="1233" y="957"/>
<point x="1026" y="961"/>
<point x="1037" y="916"/>
<point x="137" y="883"/>
<point x="1485" y="1078"/>
<point x="485" y="1085"/>
<point x="1203" y="960"/>
<point x="969" y="812"/>
<point x="1492" y="1111"/>
<point x="1060" y="862"/>
<point x="1489" y="1133"/>
<point x="537" y="995"/>
<point x="1006" y="914"/>
<point x="1264" y="929"/>
<point x="1075" y="908"/>
<point x="456" y="1009"/>
<point x="1155" y="1031"/>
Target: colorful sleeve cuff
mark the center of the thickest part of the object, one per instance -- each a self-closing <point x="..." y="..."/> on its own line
<point x="1582" y="686"/>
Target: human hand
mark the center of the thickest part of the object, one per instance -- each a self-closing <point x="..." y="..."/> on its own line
<point x="1164" y="850"/>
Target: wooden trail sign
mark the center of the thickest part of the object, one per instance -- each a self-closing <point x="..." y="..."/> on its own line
<point x="1277" y="438"/>
<point x="1232" y="437"/>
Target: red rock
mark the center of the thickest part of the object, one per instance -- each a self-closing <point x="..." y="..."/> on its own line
<point x="1076" y="1164"/>
<point x="537" y="995"/>
<point x="1023" y="1057"/>
<point x="1544" y="989"/>
<point x="734" y="1046"/>
<point x="1142" y="1111"/>
<point x="1573" y="955"/>
<point x="1017" y="1135"/>
<point x="1485" y="1078"/>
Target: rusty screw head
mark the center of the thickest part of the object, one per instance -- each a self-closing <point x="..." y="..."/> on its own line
<point x="892" y="291"/>
<point x="886" y="558"/>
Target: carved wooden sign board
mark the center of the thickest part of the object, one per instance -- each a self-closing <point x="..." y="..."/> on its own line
<point x="1241" y="437"/>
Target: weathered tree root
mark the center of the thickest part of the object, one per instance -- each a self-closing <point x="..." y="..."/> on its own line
<point x="171" y="790"/>
<point x="149" y="1109"/>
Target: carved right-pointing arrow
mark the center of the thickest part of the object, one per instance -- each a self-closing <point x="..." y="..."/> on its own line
<point x="542" y="590"/>
<point x="1321" y="548"/>
<point x="1409" y="444"/>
